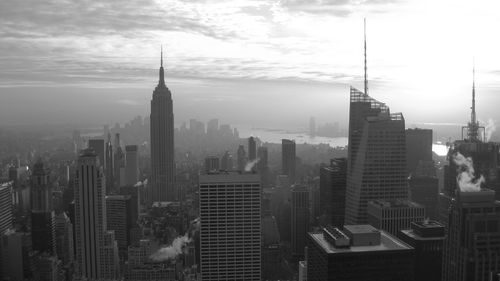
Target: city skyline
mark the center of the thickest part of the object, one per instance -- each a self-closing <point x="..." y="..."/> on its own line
<point x="251" y="50"/>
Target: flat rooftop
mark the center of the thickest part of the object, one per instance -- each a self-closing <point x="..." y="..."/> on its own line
<point x="411" y="233"/>
<point x="229" y="177"/>
<point x="387" y="243"/>
<point x="396" y="203"/>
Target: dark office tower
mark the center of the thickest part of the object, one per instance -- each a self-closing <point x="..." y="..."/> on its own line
<point x="99" y="147"/>
<point x="96" y="250"/>
<point x="226" y="163"/>
<point x="426" y="237"/>
<point x="118" y="163"/>
<point x="64" y="239"/>
<point x="131" y="164"/>
<point x="118" y="213"/>
<point x="110" y="169"/>
<point x="418" y="147"/>
<point x="5" y="206"/>
<point x="332" y="190"/>
<point x="252" y="149"/>
<point x="288" y="159"/>
<point x="424" y="188"/>
<point x="376" y="156"/>
<point x="162" y="142"/>
<point x="357" y="253"/>
<point x="300" y="219"/>
<point x="394" y="215"/>
<point x="212" y="164"/>
<point x="230" y="237"/>
<point x="42" y="213"/>
<point x="472" y="244"/>
<point x="242" y="161"/>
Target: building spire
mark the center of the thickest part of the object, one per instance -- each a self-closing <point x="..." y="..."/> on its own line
<point x="473" y="127"/>
<point x="161" y="82"/>
<point x="366" y="71"/>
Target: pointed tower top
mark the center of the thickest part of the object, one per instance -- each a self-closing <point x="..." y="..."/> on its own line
<point x="366" y="71"/>
<point x="161" y="81"/>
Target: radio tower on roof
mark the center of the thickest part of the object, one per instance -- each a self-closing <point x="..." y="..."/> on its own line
<point x="473" y="126"/>
<point x="366" y="71"/>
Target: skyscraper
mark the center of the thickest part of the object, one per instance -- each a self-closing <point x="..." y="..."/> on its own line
<point x="376" y="156"/>
<point x="99" y="147"/>
<point x="162" y="142"/>
<point x="119" y="219"/>
<point x="131" y="165"/>
<point x="118" y="162"/>
<point x="300" y="219"/>
<point x="252" y="149"/>
<point x="472" y="244"/>
<point x="226" y="162"/>
<point x="96" y="250"/>
<point x="376" y="167"/>
<point x="242" y="161"/>
<point x="288" y="159"/>
<point x="418" y="147"/>
<point x="110" y="169"/>
<point x="332" y="189"/>
<point x="42" y="213"/>
<point x="230" y="234"/>
<point x="5" y="206"/>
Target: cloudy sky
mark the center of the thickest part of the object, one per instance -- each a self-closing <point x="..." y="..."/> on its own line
<point x="259" y="63"/>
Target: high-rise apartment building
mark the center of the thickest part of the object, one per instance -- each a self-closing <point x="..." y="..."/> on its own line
<point x="96" y="250"/>
<point x="376" y="157"/>
<point x="230" y="233"/>
<point x="288" y="156"/>
<point x="162" y="142"/>
<point x="472" y="244"/>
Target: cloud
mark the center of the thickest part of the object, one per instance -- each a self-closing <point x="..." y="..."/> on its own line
<point x="339" y="8"/>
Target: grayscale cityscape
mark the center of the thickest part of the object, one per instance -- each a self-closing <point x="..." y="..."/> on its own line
<point x="206" y="140"/>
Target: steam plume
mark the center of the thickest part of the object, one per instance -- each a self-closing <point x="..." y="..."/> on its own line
<point x="490" y="128"/>
<point x="171" y="251"/>
<point x="466" y="179"/>
<point x="250" y="164"/>
<point x="177" y="247"/>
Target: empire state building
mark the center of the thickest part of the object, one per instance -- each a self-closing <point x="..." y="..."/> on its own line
<point x="162" y="142"/>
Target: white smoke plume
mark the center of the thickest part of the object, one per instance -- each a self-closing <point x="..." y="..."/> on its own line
<point x="490" y="128"/>
<point x="466" y="175"/>
<point x="172" y="251"/>
<point x="177" y="247"/>
<point x="138" y="184"/>
<point x="250" y="164"/>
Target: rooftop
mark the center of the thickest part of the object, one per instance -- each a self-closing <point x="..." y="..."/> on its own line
<point x="395" y="203"/>
<point x="387" y="243"/>
<point x="480" y="196"/>
<point x="229" y="177"/>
